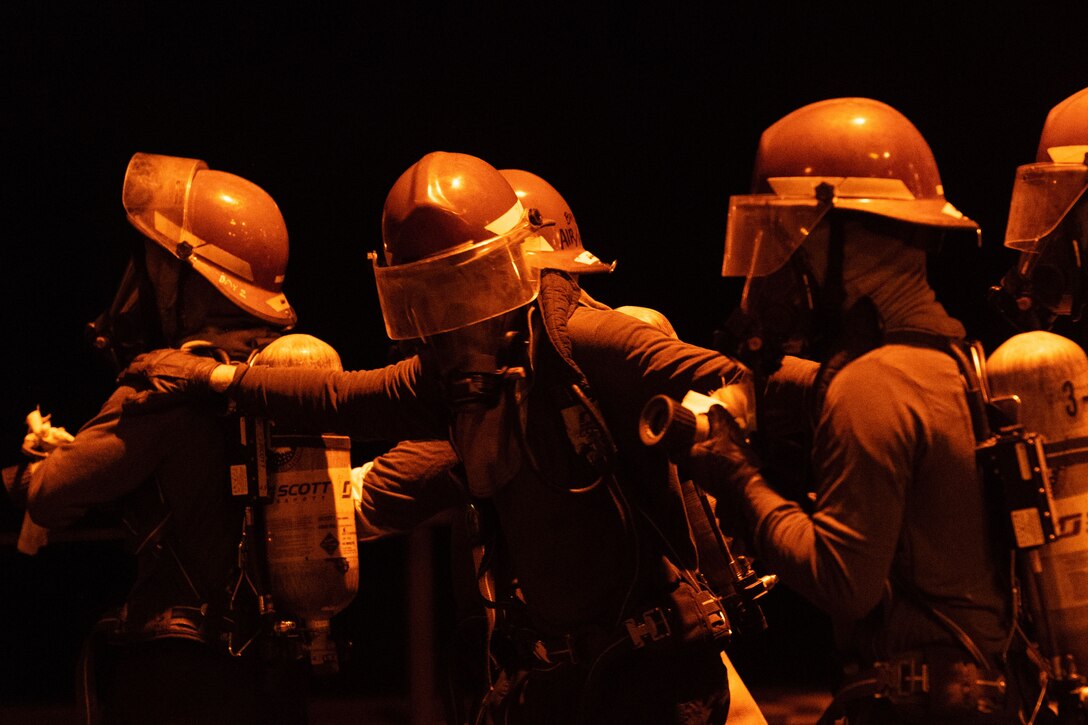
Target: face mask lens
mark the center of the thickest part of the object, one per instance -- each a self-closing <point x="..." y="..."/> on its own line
<point x="773" y="320"/>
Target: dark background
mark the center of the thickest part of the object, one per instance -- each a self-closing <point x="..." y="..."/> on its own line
<point x="646" y="120"/>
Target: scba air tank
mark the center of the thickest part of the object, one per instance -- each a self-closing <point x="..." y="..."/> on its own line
<point x="1049" y="374"/>
<point x="311" y="552"/>
<point x="310" y="542"/>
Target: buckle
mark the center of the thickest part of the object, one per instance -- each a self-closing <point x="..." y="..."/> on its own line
<point x="653" y="627"/>
<point x="903" y="677"/>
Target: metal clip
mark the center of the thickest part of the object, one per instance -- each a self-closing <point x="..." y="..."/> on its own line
<point x="556" y="654"/>
<point x="653" y="627"/>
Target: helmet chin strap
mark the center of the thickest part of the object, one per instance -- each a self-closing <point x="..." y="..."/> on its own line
<point x="828" y="308"/>
<point x="841" y="335"/>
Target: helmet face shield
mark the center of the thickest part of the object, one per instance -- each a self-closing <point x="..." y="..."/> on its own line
<point x="764" y="230"/>
<point x="1042" y="196"/>
<point x="155" y="194"/>
<point x="457" y="289"/>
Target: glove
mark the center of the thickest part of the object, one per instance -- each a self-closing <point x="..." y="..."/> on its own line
<point x="42" y="437"/>
<point x="171" y="375"/>
<point x="724" y="462"/>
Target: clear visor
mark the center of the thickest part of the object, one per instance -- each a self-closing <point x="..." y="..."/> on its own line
<point x="457" y="289"/>
<point x="155" y="192"/>
<point x="1041" y="197"/>
<point x="763" y="230"/>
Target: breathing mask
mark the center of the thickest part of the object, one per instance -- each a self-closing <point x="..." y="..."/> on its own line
<point x="486" y="382"/>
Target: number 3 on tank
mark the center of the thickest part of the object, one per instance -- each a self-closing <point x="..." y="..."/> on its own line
<point x="1070" y="391"/>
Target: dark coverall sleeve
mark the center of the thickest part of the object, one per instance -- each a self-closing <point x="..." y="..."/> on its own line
<point x="400" y="489"/>
<point x="839" y="556"/>
<point x="396" y="402"/>
<point x="628" y="362"/>
<point x="111" y="455"/>
<point x="788" y="400"/>
<point x="406" y="486"/>
<point x="787" y="413"/>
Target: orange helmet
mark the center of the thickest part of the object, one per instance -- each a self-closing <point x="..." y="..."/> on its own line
<point x="452" y="233"/>
<point x="559" y="245"/>
<point x="227" y="228"/>
<point x="842" y="153"/>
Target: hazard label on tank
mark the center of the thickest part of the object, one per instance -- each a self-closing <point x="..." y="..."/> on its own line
<point x="330" y="543"/>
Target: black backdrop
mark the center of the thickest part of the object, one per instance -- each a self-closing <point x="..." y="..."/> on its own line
<point x="646" y="120"/>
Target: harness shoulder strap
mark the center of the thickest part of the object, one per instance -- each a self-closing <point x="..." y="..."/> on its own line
<point x="969" y="358"/>
<point x="967" y="355"/>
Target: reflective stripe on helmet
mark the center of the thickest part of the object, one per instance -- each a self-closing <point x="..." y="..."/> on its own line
<point x="507" y="221"/>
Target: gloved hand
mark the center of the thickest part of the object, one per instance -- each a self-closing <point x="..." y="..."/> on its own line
<point x="171" y="374"/>
<point x="724" y="462"/>
<point x="42" y="436"/>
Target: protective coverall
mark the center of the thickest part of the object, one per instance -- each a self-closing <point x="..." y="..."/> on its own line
<point x="595" y="537"/>
<point x="163" y="656"/>
<point x="897" y="543"/>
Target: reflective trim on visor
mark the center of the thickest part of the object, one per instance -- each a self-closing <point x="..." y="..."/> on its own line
<point x="455" y="290"/>
<point x="1042" y="196"/>
<point x="763" y="230"/>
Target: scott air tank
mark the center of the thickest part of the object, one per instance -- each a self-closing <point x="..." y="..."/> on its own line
<point x="1049" y="374"/>
<point x="312" y="556"/>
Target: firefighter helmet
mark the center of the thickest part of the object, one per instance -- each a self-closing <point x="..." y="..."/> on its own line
<point x="227" y="228"/>
<point x="842" y="153"/>
<point x="1044" y="193"/>
<point x="452" y="233"/>
<point x="1049" y="375"/>
<point x="1047" y="221"/>
<point x="558" y="245"/>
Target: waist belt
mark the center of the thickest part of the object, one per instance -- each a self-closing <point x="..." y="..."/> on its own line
<point x="582" y="647"/>
<point x="185" y="622"/>
<point x="647" y="628"/>
<point x="690" y="616"/>
<point x="923" y="683"/>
